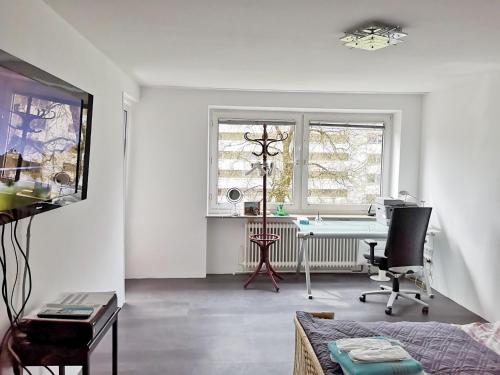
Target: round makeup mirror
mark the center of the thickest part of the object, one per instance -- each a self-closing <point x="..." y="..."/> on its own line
<point x="234" y="196"/>
<point x="62" y="178"/>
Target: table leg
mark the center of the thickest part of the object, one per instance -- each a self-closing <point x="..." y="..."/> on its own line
<point x="308" y="273"/>
<point x="300" y="255"/>
<point x="427" y="283"/>
<point x="62" y="370"/>
<point x="115" y="347"/>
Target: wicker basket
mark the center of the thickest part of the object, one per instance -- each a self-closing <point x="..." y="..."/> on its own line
<point x="306" y="362"/>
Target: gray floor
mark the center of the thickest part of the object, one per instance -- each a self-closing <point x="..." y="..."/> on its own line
<point x="213" y="326"/>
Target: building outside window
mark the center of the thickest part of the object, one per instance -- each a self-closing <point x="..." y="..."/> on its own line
<point x="345" y="163"/>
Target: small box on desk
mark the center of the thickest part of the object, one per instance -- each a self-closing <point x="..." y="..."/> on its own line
<point x="69" y="331"/>
<point x="384" y="207"/>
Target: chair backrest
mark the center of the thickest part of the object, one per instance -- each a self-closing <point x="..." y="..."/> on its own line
<point x="406" y="237"/>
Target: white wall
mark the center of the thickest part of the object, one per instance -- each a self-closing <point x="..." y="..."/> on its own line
<point x="78" y="247"/>
<point x="460" y="178"/>
<point x="167" y="225"/>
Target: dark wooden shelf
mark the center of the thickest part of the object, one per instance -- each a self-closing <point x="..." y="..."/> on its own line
<point x="32" y="353"/>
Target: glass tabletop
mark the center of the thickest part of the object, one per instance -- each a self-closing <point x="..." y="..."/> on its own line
<point x="344" y="228"/>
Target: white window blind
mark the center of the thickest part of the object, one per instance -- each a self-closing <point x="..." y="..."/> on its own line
<point x="344" y="163"/>
<point x="235" y="157"/>
<point x="332" y="163"/>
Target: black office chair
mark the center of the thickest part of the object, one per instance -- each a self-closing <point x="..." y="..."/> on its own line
<point x="404" y="253"/>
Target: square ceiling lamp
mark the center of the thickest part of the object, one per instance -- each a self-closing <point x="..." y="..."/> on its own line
<point x="373" y="37"/>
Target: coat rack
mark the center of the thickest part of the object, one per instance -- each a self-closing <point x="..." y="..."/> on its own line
<point x="264" y="240"/>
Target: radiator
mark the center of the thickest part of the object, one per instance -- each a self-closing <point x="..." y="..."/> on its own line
<point x="325" y="254"/>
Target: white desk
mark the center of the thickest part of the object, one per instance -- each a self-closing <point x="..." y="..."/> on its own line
<point x="361" y="229"/>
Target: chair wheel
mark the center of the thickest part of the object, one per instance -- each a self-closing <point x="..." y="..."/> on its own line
<point x="381" y="287"/>
<point x="417" y="296"/>
<point x="277" y="290"/>
<point x="425" y="310"/>
<point x="362" y="298"/>
<point x="310" y="297"/>
<point x="388" y="311"/>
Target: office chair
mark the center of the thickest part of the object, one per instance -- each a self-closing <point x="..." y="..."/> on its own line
<point x="382" y="274"/>
<point x="404" y="254"/>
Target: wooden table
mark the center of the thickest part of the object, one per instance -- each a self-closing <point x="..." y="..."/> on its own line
<point x="61" y="355"/>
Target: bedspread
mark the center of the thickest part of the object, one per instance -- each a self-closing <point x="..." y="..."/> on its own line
<point x="441" y="348"/>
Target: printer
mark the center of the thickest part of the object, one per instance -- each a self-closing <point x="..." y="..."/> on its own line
<point x="384" y="207"/>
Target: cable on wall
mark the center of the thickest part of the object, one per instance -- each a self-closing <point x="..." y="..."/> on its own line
<point x="27" y="268"/>
<point x="9" y="294"/>
<point x="17" y="269"/>
<point x="3" y="264"/>
<point x="28" y="240"/>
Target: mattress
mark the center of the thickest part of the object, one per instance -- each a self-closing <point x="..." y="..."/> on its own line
<point x="441" y="348"/>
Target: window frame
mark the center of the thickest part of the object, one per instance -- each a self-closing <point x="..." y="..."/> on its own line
<point x="302" y="119"/>
<point x="386" y="119"/>
<point x="267" y="114"/>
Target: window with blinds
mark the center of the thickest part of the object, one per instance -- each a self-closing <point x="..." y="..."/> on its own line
<point x="344" y="163"/>
<point x="235" y="157"/>
<point x="331" y="162"/>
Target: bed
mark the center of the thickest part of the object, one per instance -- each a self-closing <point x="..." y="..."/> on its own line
<point x="441" y="348"/>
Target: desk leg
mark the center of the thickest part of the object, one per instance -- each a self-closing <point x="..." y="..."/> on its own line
<point x="62" y="370"/>
<point x="300" y="256"/>
<point x="308" y="273"/>
<point x="427" y="283"/>
<point x="115" y="347"/>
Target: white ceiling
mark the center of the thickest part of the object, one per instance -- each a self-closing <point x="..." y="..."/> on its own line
<point x="289" y="44"/>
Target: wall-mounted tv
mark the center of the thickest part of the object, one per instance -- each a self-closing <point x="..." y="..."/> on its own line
<point x="45" y="126"/>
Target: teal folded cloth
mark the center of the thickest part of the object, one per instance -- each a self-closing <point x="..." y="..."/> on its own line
<point x="303" y="220"/>
<point x="403" y="367"/>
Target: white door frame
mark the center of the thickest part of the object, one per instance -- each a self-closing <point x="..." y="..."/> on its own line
<point x="128" y="103"/>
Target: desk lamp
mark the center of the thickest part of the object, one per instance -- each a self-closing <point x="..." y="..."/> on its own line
<point x="406" y="194"/>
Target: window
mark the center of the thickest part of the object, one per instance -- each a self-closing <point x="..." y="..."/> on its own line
<point x="345" y="163"/>
<point x="330" y="162"/>
<point x="232" y="156"/>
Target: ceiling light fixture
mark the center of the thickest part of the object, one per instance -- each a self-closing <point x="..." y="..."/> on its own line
<point x="373" y="37"/>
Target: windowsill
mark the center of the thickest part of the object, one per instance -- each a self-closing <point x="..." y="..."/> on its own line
<point x="292" y="217"/>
